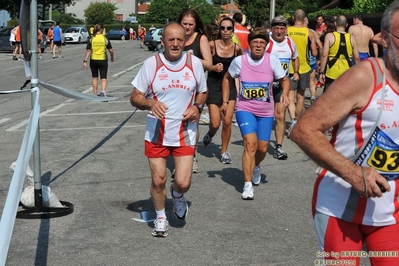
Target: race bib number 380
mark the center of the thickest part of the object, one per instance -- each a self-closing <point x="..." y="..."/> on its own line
<point x="381" y="153"/>
<point x="256" y="91"/>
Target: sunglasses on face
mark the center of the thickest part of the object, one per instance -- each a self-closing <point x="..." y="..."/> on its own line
<point x="226" y="28"/>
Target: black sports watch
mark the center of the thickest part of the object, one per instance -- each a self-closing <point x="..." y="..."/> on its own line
<point x="199" y="106"/>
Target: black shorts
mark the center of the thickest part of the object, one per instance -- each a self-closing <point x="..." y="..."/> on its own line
<point x="99" y="66"/>
<point x="215" y="95"/>
<point x="58" y="43"/>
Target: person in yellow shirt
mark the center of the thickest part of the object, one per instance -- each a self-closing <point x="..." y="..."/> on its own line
<point x="97" y="50"/>
<point x="304" y="39"/>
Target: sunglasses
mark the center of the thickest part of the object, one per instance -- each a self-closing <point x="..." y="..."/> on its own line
<point x="225" y="28"/>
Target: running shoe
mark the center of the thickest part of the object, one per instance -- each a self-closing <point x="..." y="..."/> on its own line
<point x="103" y="94"/>
<point x="256" y="176"/>
<point x="195" y="165"/>
<point x="248" y="193"/>
<point x="206" y="140"/>
<point x="180" y="207"/>
<point x="279" y="153"/>
<point x="204" y="119"/>
<point x="293" y="123"/>
<point x="172" y="175"/>
<point x="161" y="227"/>
<point x="312" y="99"/>
<point x="226" y="158"/>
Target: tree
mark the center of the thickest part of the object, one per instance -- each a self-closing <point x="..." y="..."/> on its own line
<point x="160" y="10"/>
<point x="100" y="12"/>
<point x="13" y="6"/>
<point x="68" y="18"/>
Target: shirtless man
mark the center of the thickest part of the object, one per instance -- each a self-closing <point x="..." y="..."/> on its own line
<point x="363" y="35"/>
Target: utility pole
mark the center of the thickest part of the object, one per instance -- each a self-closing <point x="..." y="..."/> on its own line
<point x="272" y="9"/>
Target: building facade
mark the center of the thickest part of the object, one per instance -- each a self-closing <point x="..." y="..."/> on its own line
<point x="125" y="8"/>
<point x="4" y="18"/>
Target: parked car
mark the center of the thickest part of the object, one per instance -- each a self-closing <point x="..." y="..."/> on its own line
<point x="76" y="34"/>
<point x="117" y="34"/>
<point x="5" y="40"/>
<point x="5" y="44"/>
<point x="153" y="39"/>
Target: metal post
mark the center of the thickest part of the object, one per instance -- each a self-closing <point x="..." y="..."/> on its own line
<point x="231" y="7"/>
<point x="50" y="12"/>
<point x="272" y="9"/>
<point x="35" y="81"/>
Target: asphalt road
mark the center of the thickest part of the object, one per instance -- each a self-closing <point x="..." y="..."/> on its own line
<point x="92" y="157"/>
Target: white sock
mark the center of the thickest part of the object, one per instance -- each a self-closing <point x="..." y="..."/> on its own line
<point x="161" y="214"/>
<point x="248" y="184"/>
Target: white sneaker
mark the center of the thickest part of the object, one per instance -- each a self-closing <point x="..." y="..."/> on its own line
<point x="248" y="193"/>
<point x="180" y="207"/>
<point x="293" y="123"/>
<point x="256" y="176"/>
<point x="226" y="158"/>
<point x="195" y="165"/>
<point x="204" y="119"/>
<point x="161" y="227"/>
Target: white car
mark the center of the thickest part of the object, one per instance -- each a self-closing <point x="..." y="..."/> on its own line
<point x="76" y="34"/>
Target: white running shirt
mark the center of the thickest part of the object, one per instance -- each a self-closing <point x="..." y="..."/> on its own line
<point x="176" y="85"/>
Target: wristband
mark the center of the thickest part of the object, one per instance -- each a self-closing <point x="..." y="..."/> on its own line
<point x="199" y="106"/>
<point x="84" y="61"/>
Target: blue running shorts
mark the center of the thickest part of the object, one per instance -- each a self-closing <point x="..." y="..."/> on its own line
<point x="250" y="123"/>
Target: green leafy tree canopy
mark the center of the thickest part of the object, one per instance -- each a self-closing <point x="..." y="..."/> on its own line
<point x="162" y="10"/>
<point x="100" y="12"/>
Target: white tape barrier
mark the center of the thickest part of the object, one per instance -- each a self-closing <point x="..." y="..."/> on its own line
<point x="74" y="94"/>
<point x="14" y="193"/>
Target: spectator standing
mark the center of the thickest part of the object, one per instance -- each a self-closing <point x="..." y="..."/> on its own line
<point x="142" y="33"/>
<point x="171" y="120"/>
<point x="132" y="34"/>
<point x="50" y="37"/>
<point x="39" y="41"/>
<point x="223" y="52"/>
<point x="340" y="52"/>
<point x="256" y="71"/>
<point x="363" y="36"/>
<point x="123" y="30"/>
<point x="18" y="48"/>
<point x="240" y="32"/>
<point x="13" y="44"/>
<point x="197" y="44"/>
<point x="320" y="25"/>
<point x="97" y="50"/>
<point x="285" y="49"/>
<point x="305" y="43"/>
<point x="349" y="206"/>
<point x="58" y="40"/>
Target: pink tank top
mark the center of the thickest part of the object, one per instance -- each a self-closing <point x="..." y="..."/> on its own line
<point x="256" y="94"/>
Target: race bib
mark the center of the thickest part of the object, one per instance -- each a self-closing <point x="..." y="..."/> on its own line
<point x="255" y="91"/>
<point x="382" y="154"/>
<point x="285" y="63"/>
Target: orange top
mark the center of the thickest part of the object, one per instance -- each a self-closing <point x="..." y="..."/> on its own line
<point x="17" y="34"/>
<point x="241" y="33"/>
<point x="50" y="34"/>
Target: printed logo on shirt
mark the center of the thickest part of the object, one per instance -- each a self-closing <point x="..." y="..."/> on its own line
<point x="187" y="76"/>
<point x="163" y="76"/>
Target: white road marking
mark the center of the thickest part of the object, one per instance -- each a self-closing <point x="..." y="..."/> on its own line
<point x="4" y="120"/>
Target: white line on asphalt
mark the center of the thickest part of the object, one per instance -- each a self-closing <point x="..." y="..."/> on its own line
<point x="98" y="113"/>
<point x="126" y="70"/>
<point x="23" y="123"/>
<point x="82" y="128"/>
<point x="4" y="120"/>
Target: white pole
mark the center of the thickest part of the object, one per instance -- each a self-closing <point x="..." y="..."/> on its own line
<point x="231" y="7"/>
<point x="50" y="12"/>
<point x="272" y="9"/>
